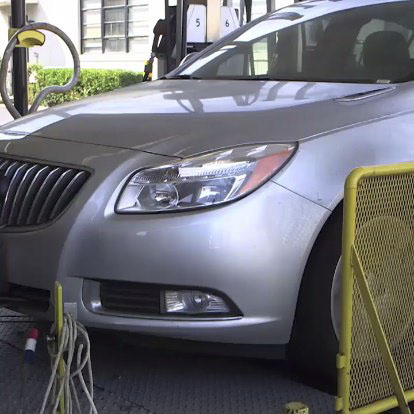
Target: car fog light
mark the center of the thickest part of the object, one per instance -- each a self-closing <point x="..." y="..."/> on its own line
<point x="194" y="302"/>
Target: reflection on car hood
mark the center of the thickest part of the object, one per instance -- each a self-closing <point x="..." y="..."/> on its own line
<point x="185" y="117"/>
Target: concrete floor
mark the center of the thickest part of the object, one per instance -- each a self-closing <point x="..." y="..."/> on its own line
<point x="131" y="379"/>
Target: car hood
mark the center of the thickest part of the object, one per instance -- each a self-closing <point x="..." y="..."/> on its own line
<point x="185" y="117"/>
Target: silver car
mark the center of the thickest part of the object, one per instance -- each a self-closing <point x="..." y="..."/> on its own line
<point x="208" y="205"/>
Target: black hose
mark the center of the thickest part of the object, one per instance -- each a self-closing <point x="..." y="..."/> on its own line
<point x="50" y="89"/>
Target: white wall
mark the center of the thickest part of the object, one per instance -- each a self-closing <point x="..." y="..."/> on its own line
<point x="4" y="25"/>
<point x="260" y="6"/>
<point x="65" y="15"/>
<point x="283" y="3"/>
<point x="61" y="13"/>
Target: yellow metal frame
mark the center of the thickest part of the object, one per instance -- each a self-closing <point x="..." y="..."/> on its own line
<point x="352" y="266"/>
<point x="296" y="408"/>
<point x="31" y="38"/>
<point x="28" y="38"/>
<point x="59" y="330"/>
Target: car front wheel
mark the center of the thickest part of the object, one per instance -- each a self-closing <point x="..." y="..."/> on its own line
<point x="314" y="341"/>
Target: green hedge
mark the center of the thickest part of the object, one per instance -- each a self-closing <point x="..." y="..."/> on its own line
<point x="92" y="82"/>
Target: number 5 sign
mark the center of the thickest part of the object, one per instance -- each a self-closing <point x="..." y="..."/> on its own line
<point x="196" y="23"/>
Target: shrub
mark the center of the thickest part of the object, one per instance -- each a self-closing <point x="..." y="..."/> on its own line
<point x="91" y="82"/>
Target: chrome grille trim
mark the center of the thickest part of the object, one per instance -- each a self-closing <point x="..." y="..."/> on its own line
<point x="34" y="193"/>
<point x="69" y="192"/>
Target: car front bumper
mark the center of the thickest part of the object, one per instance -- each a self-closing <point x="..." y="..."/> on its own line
<point x="253" y="250"/>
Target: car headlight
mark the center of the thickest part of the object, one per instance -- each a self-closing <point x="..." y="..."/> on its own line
<point x="207" y="180"/>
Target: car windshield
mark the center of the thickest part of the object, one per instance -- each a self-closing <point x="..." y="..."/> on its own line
<point x="370" y="44"/>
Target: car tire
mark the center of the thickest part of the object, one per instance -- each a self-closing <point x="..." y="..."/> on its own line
<point x="313" y="346"/>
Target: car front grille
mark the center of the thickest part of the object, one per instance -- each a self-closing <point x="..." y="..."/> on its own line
<point x="33" y="194"/>
<point x="130" y="297"/>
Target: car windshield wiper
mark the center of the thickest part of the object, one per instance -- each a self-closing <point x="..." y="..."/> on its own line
<point x="247" y="78"/>
<point x="191" y="77"/>
<point x="255" y="79"/>
<point x="293" y="79"/>
<point x="407" y="78"/>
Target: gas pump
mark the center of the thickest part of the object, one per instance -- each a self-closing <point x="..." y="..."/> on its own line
<point x="191" y="26"/>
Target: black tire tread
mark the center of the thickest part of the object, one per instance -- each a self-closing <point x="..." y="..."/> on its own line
<point x="313" y="345"/>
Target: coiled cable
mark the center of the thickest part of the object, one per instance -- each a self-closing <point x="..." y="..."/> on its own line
<point x="75" y="346"/>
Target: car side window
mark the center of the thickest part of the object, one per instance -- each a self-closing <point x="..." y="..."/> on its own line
<point x="314" y="31"/>
<point x="373" y="26"/>
<point x="255" y="61"/>
<point x="376" y="25"/>
<point x="235" y="65"/>
<point x="372" y="44"/>
<point x="260" y="56"/>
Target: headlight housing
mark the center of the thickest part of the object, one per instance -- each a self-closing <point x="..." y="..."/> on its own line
<point x="206" y="180"/>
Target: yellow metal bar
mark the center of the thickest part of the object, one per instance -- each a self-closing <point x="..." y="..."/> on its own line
<point x="378" y="170"/>
<point x="28" y="38"/>
<point x="31" y="38"/>
<point x="348" y="236"/>
<point x="349" y="276"/>
<point x="379" y="333"/>
<point x="59" y="330"/>
<point x="383" y="405"/>
<point x="296" y="408"/>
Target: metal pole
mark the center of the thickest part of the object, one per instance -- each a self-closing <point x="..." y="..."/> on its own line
<point x="241" y="17"/>
<point x="248" y="4"/>
<point x="271" y="5"/>
<point x="20" y="82"/>
<point x="184" y="30"/>
<point x="179" y="33"/>
<point x="169" y="35"/>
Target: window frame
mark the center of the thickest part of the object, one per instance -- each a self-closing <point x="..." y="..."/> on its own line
<point x="127" y="7"/>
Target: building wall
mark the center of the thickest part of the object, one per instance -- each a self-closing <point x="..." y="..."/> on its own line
<point x="65" y="14"/>
<point x="132" y="60"/>
<point x="4" y="24"/>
